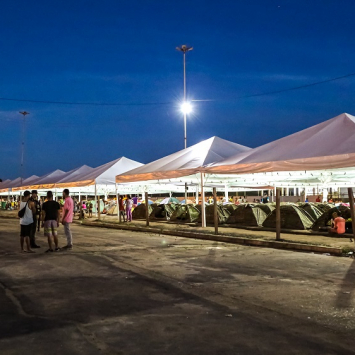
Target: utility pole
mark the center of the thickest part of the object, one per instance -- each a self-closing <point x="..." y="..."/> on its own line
<point x="185" y="107"/>
<point x="24" y="114"/>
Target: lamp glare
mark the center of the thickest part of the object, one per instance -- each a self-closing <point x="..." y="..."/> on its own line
<point x="186" y="107"/>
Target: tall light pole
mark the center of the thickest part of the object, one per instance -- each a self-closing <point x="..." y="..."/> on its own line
<point x="24" y="113"/>
<point x="186" y="108"/>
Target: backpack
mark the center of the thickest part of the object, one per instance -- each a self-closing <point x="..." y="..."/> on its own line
<point x="22" y="212"/>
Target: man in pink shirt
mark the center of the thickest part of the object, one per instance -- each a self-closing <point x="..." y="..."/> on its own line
<point x="338" y="224"/>
<point x="67" y="218"/>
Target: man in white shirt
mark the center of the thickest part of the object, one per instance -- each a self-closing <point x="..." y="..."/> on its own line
<point x="26" y="221"/>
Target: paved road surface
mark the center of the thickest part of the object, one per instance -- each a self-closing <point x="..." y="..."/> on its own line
<point x="128" y="293"/>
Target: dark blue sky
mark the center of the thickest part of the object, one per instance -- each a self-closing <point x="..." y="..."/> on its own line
<point x="124" y="52"/>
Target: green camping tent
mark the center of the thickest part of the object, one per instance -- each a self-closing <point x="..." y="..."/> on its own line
<point x="140" y="210"/>
<point x="247" y="215"/>
<point x="185" y="213"/>
<point x="292" y="217"/>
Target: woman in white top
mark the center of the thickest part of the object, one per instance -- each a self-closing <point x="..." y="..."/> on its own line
<point x="129" y="205"/>
<point x="26" y="221"/>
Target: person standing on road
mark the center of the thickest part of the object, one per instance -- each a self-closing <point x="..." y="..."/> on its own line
<point x="67" y="218"/>
<point x="50" y="221"/>
<point x="90" y="207"/>
<point x="121" y="208"/>
<point x="26" y="221"/>
<point x="36" y="216"/>
<point x="129" y="204"/>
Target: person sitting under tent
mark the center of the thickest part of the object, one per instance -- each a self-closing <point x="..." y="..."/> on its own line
<point x="265" y="199"/>
<point x="318" y="199"/>
<point x="338" y="225"/>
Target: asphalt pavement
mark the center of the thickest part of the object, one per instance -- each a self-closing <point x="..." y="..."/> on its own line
<point x="120" y="292"/>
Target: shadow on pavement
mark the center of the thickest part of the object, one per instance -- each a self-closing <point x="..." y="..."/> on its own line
<point x="344" y="296"/>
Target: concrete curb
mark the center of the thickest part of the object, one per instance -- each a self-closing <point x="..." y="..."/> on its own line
<point x="259" y="229"/>
<point x="221" y="238"/>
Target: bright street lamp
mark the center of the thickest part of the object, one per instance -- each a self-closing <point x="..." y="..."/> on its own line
<point x="184" y="49"/>
<point x="186" y="108"/>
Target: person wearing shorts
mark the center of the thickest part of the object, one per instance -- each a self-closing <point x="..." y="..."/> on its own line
<point x="50" y="221"/>
<point x="26" y="221"/>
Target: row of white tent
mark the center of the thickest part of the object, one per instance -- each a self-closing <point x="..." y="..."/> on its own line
<point x="84" y="179"/>
<point x="320" y="157"/>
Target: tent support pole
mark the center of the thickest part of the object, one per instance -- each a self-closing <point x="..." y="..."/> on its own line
<point x="79" y="197"/>
<point x="185" y="193"/>
<point x="203" y="211"/>
<point x="226" y="192"/>
<point x="98" y="207"/>
<point x="117" y="203"/>
<point x="196" y="195"/>
<point x="352" y="208"/>
<point x="146" y="210"/>
<point x="215" y="214"/>
<point x="118" y="209"/>
<point x="278" y="215"/>
<point x="96" y="201"/>
<point x="325" y="194"/>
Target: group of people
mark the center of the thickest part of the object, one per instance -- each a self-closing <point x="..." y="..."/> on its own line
<point x="49" y="215"/>
<point x="125" y="205"/>
<point x="11" y="205"/>
<point x="82" y="207"/>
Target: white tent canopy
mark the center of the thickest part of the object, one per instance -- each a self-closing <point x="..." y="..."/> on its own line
<point x="105" y="174"/>
<point x="46" y="181"/>
<point x="26" y="181"/>
<point x="6" y="185"/>
<point x="175" y="170"/>
<point x="184" y="162"/>
<point x="319" y="157"/>
<point x="75" y="174"/>
<point x="82" y="179"/>
<point x="328" y="145"/>
<point x="102" y="178"/>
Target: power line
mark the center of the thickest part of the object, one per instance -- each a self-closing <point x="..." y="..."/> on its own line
<point x="87" y="103"/>
<point x="169" y="103"/>
<point x="297" y="87"/>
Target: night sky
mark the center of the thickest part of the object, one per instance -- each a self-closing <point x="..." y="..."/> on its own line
<point x="124" y="52"/>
